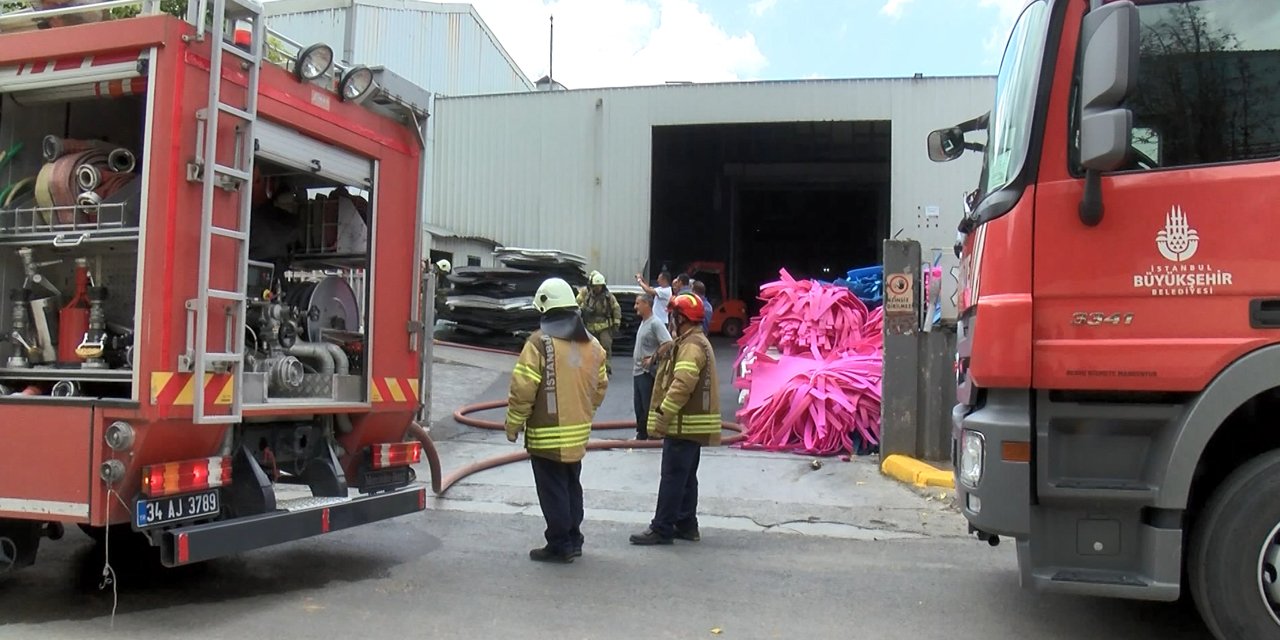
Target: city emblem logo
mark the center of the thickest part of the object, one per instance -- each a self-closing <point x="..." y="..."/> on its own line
<point x="1177" y="241"/>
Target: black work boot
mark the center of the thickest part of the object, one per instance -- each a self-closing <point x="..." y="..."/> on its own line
<point x="649" y="537"/>
<point x="691" y="535"/>
<point x="546" y="554"/>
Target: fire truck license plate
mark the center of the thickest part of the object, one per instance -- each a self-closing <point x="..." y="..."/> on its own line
<point x="149" y="513"/>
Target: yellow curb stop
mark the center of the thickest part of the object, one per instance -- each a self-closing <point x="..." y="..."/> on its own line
<point x="912" y="471"/>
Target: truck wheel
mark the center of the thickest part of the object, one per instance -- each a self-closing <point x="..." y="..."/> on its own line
<point x="732" y="329"/>
<point x="1234" y="562"/>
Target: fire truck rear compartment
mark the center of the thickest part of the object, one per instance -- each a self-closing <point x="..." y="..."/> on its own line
<point x="69" y="239"/>
<point x="305" y="334"/>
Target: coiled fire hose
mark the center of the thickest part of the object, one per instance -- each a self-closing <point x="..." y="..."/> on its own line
<point x="439" y="484"/>
<point x="80" y="172"/>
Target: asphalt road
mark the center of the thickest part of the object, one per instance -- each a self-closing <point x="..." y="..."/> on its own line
<point x="466" y="575"/>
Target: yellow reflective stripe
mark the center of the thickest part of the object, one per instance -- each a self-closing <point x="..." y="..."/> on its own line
<point x="669" y="406"/>
<point x="704" y="419"/>
<point x="565" y="428"/>
<point x="686" y="366"/>
<point x="695" y="428"/>
<point x="558" y="443"/>
<point x="527" y="372"/>
<point x="558" y="436"/>
<point x="515" y="419"/>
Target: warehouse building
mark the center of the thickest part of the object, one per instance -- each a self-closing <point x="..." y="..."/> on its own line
<point x="808" y="175"/>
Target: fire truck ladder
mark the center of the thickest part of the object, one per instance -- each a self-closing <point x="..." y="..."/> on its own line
<point x="237" y="177"/>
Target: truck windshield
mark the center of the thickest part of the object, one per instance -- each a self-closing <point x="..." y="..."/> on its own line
<point x="1009" y="129"/>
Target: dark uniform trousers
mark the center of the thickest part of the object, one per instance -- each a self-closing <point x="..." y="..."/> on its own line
<point x="678" y="490"/>
<point x="560" y="495"/>
<point x="642" y="394"/>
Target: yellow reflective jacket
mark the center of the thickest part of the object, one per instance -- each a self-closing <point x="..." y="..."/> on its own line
<point x="686" y="392"/>
<point x="556" y="387"/>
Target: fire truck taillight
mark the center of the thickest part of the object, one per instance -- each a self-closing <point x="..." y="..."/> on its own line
<point x="399" y="454"/>
<point x="184" y="477"/>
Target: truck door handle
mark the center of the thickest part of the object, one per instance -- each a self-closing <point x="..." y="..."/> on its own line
<point x="1264" y="313"/>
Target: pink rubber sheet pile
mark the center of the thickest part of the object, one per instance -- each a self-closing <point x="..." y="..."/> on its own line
<point x="820" y="395"/>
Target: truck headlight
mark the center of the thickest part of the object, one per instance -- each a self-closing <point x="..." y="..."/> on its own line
<point x="972" y="454"/>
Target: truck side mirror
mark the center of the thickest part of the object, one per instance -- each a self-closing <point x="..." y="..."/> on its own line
<point x="946" y="144"/>
<point x="1109" y="39"/>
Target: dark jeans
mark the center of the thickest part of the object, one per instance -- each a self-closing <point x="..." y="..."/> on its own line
<point x="678" y="490"/>
<point x="643" y="393"/>
<point x="560" y="496"/>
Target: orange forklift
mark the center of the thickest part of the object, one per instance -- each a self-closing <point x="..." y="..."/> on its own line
<point x="730" y="314"/>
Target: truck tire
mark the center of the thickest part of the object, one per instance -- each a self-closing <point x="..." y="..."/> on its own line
<point x="1233" y="568"/>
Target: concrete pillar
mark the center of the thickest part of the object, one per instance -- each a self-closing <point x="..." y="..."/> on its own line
<point x="937" y="391"/>
<point x="899" y="389"/>
<point x="918" y="386"/>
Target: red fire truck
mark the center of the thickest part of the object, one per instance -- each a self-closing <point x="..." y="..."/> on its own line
<point x="1119" y="332"/>
<point x="212" y="275"/>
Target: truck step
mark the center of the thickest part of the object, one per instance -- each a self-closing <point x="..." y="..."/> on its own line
<point x="231" y="172"/>
<point x="299" y="504"/>
<point x="1099" y="577"/>
<point x="228" y="109"/>
<point x="1098" y="489"/>
<point x="215" y="357"/>
<point x="229" y="233"/>
<point x="241" y="53"/>
<point x="219" y="294"/>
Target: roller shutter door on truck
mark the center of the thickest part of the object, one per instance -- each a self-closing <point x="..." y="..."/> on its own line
<point x="292" y="149"/>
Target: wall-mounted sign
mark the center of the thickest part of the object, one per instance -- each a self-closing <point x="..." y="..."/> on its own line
<point x="900" y="314"/>
<point x="897" y="293"/>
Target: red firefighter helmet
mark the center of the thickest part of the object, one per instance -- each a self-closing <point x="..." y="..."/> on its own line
<point x="689" y="306"/>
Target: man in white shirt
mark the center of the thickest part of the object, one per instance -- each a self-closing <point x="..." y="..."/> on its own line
<point x="661" y="294"/>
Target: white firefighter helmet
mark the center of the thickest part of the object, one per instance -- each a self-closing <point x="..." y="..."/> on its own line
<point x="444" y="266"/>
<point x="554" y="293"/>
<point x="597" y="278"/>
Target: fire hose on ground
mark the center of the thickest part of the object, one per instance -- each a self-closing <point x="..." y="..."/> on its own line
<point x="440" y="483"/>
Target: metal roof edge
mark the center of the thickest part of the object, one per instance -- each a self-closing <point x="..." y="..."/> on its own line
<point x="425" y="6"/>
<point x="501" y="49"/>
<point x="287" y="7"/>
<point x="442" y="232"/>
<point x="691" y="85"/>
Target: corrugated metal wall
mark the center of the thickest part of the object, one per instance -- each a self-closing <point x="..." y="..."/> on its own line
<point x="443" y="48"/>
<point x="571" y="170"/>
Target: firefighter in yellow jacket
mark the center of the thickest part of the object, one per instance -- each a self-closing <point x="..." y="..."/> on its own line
<point x="558" y="383"/>
<point x="685" y="412"/>
<point x="601" y="313"/>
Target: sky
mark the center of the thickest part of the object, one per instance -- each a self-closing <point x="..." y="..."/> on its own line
<point x="601" y="43"/>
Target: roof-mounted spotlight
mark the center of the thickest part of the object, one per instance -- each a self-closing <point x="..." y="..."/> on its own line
<point x="314" y="61"/>
<point x="356" y="85"/>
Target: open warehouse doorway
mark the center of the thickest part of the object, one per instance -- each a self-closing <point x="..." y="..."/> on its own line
<point x="810" y="197"/>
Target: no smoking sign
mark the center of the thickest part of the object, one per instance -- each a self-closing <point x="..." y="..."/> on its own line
<point x="897" y="293"/>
